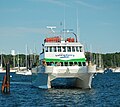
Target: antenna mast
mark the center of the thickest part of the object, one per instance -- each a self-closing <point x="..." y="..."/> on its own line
<point x="51" y="28"/>
<point x="77" y="26"/>
<point x="64" y="21"/>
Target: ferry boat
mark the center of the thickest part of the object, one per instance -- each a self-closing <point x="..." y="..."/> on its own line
<point x="63" y="58"/>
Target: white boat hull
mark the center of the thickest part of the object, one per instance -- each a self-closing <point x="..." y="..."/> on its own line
<point x="24" y="72"/>
<point x="45" y="75"/>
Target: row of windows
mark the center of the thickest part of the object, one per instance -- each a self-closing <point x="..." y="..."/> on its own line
<point x="63" y="49"/>
<point x="65" y="63"/>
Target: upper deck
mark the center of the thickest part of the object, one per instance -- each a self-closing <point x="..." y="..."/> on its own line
<point x="63" y="51"/>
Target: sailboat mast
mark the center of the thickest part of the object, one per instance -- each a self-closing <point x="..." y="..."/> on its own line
<point x="100" y="60"/>
<point x="26" y="58"/>
<point x="1" y="60"/>
<point x="18" y="62"/>
<point x="77" y="26"/>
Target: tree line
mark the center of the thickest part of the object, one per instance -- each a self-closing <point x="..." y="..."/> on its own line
<point x="19" y="60"/>
<point x="103" y="60"/>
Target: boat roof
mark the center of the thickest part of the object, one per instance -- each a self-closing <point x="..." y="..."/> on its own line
<point x="58" y="41"/>
<point x="63" y="44"/>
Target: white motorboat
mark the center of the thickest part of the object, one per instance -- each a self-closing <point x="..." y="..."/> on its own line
<point x="24" y="72"/>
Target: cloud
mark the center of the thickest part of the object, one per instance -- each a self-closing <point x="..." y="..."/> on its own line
<point x="106" y="23"/>
<point x="10" y="10"/>
<point x="56" y="2"/>
<point x="22" y="31"/>
<point x="87" y="5"/>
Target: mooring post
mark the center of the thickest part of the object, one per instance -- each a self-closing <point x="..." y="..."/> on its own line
<point x="8" y="77"/>
<point x="6" y="80"/>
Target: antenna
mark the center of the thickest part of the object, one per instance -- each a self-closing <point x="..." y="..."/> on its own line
<point x="51" y="28"/>
<point x="77" y="25"/>
<point x="64" y="21"/>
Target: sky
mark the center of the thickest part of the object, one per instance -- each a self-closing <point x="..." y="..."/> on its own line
<point x="24" y="22"/>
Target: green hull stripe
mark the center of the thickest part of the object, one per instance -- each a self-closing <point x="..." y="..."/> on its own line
<point x="71" y="60"/>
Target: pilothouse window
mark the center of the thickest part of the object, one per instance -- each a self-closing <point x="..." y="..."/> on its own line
<point x="46" y="49"/>
<point x="55" y="50"/>
<point x="77" y="49"/>
<point x="69" y="49"/>
<point x="80" y="48"/>
<point x="64" y="49"/>
<point x="50" y="49"/>
<point x="59" y="49"/>
<point x="73" y="49"/>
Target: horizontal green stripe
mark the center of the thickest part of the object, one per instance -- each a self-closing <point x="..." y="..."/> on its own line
<point x="59" y="60"/>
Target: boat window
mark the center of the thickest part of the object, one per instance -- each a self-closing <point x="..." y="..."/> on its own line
<point x="75" y="63"/>
<point x="64" y="49"/>
<point x="50" y="49"/>
<point x="80" y="48"/>
<point x="58" y="64"/>
<point x="52" y="63"/>
<point x="55" y="50"/>
<point x="84" y="64"/>
<point x="66" y="63"/>
<point x="69" y="49"/>
<point x="73" y="49"/>
<point x="61" y="63"/>
<point x="79" y="63"/>
<point x="77" y="49"/>
<point x="48" y="63"/>
<point x="59" y="49"/>
<point x="71" y="63"/>
<point x="46" y="49"/>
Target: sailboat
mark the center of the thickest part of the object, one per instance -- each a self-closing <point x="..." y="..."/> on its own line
<point x="1" y="65"/>
<point x="24" y="70"/>
<point x="99" y="63"/>
<point x="116" y="68"/>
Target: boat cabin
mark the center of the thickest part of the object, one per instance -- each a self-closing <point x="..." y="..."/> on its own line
<point x="62" y="52"/>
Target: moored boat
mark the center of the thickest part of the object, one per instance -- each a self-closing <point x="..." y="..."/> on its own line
<point x="117" y="69"/>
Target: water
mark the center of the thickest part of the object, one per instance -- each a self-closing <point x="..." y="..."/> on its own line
<point x="105" y="92"/>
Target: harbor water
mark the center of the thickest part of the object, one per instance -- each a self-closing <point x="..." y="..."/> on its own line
<point x="105" y="92"/>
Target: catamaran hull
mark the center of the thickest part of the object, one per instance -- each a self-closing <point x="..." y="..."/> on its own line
<point x="81" y="79"/>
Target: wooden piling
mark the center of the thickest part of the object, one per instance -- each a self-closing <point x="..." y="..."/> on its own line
<point x="6" y="80"/>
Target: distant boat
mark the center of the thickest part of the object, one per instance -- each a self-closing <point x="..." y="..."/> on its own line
<point x="23" y="70"/>
<point x="99" y="70"/>
<point x="117" y="69"/>
<point x="1" y="65"/>
<point x="99" y="63"/>
<point x="108" y="70"/>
